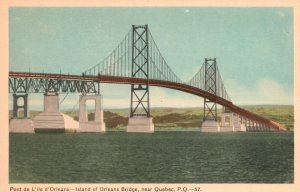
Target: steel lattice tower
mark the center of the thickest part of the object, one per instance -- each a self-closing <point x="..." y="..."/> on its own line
<point x="210" y="83"/>
<point x="140" y="69"/>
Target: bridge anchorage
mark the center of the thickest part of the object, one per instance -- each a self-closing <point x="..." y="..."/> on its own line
<point x="136" y="61"/>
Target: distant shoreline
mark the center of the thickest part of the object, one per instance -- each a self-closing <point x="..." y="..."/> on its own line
<point x="190" y="117"/>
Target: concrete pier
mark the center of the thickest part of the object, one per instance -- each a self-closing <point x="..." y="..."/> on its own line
<point x="97" y="125"/>
<point x="230" y="123"/>
<point x="51" y="120"/>
<point x="140" y="125"/>
<point x="210" y="126"/>
<point x="21" y="126"/>
<point x="227" y="124"/>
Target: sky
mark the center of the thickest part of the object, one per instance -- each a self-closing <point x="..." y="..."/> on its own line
<point x="253" y="48"/>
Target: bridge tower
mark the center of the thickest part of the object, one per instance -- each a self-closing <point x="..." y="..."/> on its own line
<point x="229" y="121"/>
<point x="140" y="119"/>
<point x="210" y="85"/>
<point x="210" y="123"/>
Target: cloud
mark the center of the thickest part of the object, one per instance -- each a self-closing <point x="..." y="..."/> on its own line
<point x="264" y="91"/>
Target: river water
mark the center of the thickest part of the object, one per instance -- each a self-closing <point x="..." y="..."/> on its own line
<point x="161" y="157"/>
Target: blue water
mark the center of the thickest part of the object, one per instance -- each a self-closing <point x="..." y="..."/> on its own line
<point x="162" y="157"/>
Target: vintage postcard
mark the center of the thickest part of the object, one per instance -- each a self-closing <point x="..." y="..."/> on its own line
<point x="149" y="96"/>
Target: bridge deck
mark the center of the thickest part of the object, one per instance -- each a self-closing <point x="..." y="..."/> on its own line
<point x="159" y="83"/>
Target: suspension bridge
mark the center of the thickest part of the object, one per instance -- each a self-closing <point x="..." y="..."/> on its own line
<point x="136" y="61"/>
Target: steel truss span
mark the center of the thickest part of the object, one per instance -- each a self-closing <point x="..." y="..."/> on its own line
<point x="15" y="76"/>
<point x="42" y="83"/>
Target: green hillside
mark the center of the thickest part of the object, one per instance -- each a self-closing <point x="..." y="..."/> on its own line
<point x="192" y="117"/>
<point x="189" y="117"/>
